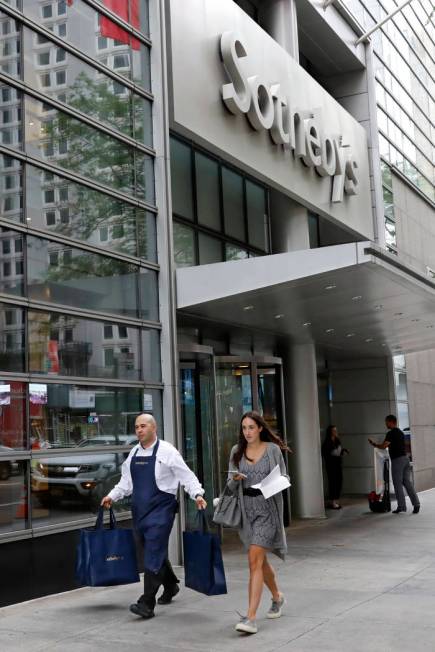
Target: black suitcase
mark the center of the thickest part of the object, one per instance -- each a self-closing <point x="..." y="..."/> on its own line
<point x="378" y="503"/>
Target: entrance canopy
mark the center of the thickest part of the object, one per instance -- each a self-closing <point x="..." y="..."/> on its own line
<point x="355" y="298"/>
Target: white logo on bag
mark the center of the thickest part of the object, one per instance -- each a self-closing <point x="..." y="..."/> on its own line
<point x="114" y="558"/>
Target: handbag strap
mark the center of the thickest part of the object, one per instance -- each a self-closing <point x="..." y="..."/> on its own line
<point x="99" y="523"/>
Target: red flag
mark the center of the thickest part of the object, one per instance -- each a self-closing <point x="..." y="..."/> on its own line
<point x="121" y="8"/>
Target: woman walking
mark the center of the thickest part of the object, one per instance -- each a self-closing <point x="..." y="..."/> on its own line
<point x="257" y="452"/>
<point x="332" y="452"/>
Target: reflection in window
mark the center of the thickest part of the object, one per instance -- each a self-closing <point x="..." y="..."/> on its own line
<point x="70" y="346"/>
<point x="88" y="215"/>
<point x="80" y="148"/>
<point x="87" y="280"/>
<point x="12" y="332"/>
<point x="210" y="249"/>
<point x="181" y="176"/>
<point x="78" y="12"/>
<point x="13" y="493"/>
<point x="11" y="269"/>
<point x="257" y="215"/>
<point x="184" y="246"/>
<point x="207" y="191"/>
<point x="232" y="194"/>
<point x="235" y="253"/>
<point x="12" y="415"/>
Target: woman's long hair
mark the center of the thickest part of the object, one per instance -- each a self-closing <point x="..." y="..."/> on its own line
<point x="266" y="434"/>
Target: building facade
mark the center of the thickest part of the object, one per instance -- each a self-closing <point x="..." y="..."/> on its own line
<point x="206" y="208"/>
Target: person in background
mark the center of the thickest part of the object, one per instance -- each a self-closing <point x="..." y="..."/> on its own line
<point x="332" y="453"/>
<point x="257" y="452"/>
<point x="400" y="465"/>
<point x="151" y="474"/>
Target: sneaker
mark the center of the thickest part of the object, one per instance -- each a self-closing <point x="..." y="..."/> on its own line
<point x="247" y="626"/>
<point x="139" y="609"/>
<point x="168" y="594"/>
<point x="399" y="510"/>
<point x="276" y="607"/>
<point x="416" y="509"/>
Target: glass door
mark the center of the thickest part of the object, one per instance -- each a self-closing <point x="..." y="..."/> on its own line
<point x="197" y="398"/>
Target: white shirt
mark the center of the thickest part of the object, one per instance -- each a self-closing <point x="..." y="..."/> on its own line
<point x="170" y="471"/>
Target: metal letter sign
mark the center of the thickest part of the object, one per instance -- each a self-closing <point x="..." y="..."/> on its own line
<point x="268" y="108"/>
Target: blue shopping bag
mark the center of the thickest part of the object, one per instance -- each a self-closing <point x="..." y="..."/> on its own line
<point x="203" y="566"/>
<point x="106" y="557"/>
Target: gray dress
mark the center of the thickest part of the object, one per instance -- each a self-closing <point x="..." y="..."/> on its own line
<point x="262" y="520"/>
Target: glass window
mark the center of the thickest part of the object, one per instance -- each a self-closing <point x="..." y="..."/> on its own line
<point x="77" y="349"/>
<point x="47" y="11"/>
<point x="12" y="415"/>
<point x="184" y="246"/>
<point x="232" y="193"/>
<point x="11" y="280"/>
<point x="88" y="214"/>
<point x="235" y="253"/>
<point x="138" y="69"/>
<point x="181" y="175"/>
<point x="207" y="191"/>
<point x="210" y="249"/>
<point x="12" y="332"/>
<point x="257" y="215"/>
<point x="94" y="95"/>
<point x="10" y="188"/>
<point x="13" y="493"/>
<point x="90" y="153"/>
<point x="90" y="281"/>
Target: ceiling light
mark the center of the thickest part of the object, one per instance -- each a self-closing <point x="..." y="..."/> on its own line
<point x="431" y="326"/>
<point x="357" y="297"/>
<point x="280" y="316"/>
<point x="379" y="306"/>
<point x="398" y="314"/>
<point x="383" y="344"/>
<point x="329" y="330"/>
<point x="306" y="323"/>
<point x="415" y="320"/>
<point x="330" y="287"/>
<point x="248" y="307"/>
<point x="350" y="334"/>
<point x="370" y="339"/>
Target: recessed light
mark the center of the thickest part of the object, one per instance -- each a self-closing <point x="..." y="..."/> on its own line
<point x="350" y="334"/>
<point x="306" y="323"/>
<point x="280" y="316"/>
<point x="415" y="320"/>
<point x="398" y="314"/>
<point x="330" y="287"/>
<point x="431" y="326"/>
<point x="383" y="344"/>
<point x="358" y="297"/>
<point x="329" y="330"/>
<point x="248" y="307"/>
<point x="379" y="306"/>
<point x="370" y="339"/>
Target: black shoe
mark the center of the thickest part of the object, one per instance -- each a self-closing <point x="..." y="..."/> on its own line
<point x="398" y="511"/>
<point x="139" y="609"/>
<point x="416" y="509"/>
<point x="168" y="594"/>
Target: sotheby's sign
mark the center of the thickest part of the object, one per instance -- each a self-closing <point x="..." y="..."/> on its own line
<point x="239" y="94"/>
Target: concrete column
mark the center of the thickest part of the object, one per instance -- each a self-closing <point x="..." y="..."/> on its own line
<point x="289" y="224"/>
<point x="278" y="18"/>
<point x="303" y="430"/>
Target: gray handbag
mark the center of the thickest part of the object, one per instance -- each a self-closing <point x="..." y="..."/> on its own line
<point x="228" y="511"/>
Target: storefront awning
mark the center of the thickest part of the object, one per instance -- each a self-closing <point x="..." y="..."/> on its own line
<point x="353" y="298"/>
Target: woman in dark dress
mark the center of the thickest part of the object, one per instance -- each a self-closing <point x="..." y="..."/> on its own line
<point x="332" y="453"/>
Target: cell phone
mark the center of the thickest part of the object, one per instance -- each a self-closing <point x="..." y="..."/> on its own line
<point x="242" y="475"/>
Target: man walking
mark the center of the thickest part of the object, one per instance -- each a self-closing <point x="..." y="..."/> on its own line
<point x="400" y="466"/>
<point x="151" y="474"/>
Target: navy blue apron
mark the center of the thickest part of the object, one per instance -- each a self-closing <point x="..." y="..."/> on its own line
<point x="153" y="510"/>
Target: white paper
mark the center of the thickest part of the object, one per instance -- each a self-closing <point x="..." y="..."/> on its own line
<point x="272" y="483"/>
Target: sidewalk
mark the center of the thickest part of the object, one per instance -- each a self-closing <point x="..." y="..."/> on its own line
<point x="355" y="581"/>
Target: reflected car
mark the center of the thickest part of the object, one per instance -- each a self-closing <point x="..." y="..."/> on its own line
<point x="86" y="477"/>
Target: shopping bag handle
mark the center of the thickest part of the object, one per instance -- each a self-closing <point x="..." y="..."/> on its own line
<point x="99" y="523"/>
<point x="201" y="520"/>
